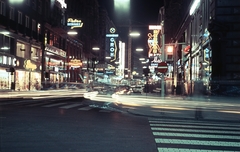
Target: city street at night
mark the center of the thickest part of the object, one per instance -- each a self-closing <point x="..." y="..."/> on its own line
<point x="78" y="124"/>
<point x="119" y="76"/>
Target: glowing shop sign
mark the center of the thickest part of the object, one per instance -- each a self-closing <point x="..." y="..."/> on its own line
<point x="75" y="63"/>
<point x="29" y="65"/>
<point x="74" y="23"/>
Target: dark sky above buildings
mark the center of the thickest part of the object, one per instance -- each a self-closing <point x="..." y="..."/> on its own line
<point x="142" y="13"/>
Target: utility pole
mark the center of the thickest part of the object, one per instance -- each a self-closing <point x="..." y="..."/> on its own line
<point x="129" y="53"/>
<point x="163" y="58"/>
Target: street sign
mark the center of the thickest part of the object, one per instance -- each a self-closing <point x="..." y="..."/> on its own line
<point x="162" y="67"/>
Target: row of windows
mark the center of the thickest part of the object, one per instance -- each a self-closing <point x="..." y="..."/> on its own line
<point x="20" y="17"/>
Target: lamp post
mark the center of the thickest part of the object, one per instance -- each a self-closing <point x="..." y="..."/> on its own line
<point x="131" y="35"/>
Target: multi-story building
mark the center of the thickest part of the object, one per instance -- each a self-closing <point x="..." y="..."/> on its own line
<point x="208" y="61"/>
<point x="35" y="50"/>
<point x="20" y="45"/>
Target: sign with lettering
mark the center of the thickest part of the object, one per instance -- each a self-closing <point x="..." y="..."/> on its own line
<point x="55" y="50"/>
<point x="29" y="65"/>
<point x="112" y="43"/>
<point x="75" y="63"/>
<point x="74" y="23"/>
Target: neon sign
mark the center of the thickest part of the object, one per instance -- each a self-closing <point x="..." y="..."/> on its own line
<point x="74" y="23"/>
<point x="62" y="3"/>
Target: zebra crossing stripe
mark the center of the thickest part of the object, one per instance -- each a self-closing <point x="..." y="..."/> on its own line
<point x="194" y="123"/>
<point x="105" y="111"/>
<point x="197" y="131"/>
<point x="53" y="105"/>
<point x="85" y="108"/>
<point x="37" y="104"/>
<point x="195" y="135"/>
<point x="186" y="150"/>
<point x="195" y="126"/>
<point x="196" y="142"/>
<point x="71" y="106"/>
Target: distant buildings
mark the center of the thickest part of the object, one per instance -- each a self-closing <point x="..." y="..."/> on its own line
<point x="208" y="62"/>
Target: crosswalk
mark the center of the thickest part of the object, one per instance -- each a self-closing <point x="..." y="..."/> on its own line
<point x="195" y="136"/>
<point x="61" y="105"/>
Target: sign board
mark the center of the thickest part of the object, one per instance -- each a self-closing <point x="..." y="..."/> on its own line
<point x="162" y="67"/>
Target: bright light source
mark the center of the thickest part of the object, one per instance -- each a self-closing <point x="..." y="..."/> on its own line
<point x="108" y="57"/>
<point x="72" y="33"/>
<point x="169" y="49"/>
<point x="5" y="48"/>
<point x="155" y="27"/>
<point x="95" y="48"/>
<point x="141" y="59"/>
<point x="5" y="33"/>
<point x="139" y="49"/>
<point x="134" y="34"/>
<point x="194" y="6"/>
<point x="16" y="1"/>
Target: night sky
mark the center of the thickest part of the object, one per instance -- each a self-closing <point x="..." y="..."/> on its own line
<point x="142" y="13"/>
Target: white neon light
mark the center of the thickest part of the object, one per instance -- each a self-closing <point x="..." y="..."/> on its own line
<point x="155" y="27"/>
<point x="63" y="4"/>
<point x="194" y="6"/>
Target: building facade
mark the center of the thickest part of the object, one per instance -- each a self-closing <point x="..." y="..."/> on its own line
<point x="207" y="61"/>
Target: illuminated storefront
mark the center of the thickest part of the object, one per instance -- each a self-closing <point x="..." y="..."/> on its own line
<point x="55" y="60"/>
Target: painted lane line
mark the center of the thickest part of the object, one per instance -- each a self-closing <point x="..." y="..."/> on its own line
<point x="53" y="105"/>
<point x="71" y="106"/>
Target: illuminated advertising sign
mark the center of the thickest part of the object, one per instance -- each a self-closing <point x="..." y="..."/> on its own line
<point x="74" y="23"/>
<point x="112" y="43"/>
<point x="55" y="50"/>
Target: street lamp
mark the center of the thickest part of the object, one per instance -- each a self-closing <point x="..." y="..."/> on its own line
<point x="131" y="34"/>
<point x="139" y="49"/>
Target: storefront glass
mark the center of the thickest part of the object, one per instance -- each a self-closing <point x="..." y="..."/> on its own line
<point x="5" y="79"/>
<point x="22" y="80"/>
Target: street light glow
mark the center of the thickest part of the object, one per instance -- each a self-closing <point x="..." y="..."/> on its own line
<point x="15" y="1"/>
<point x="95" y="48"/>
<point x="194" y="6"/>
<point x="122" y="5"/>
<point x="72" y="33"/>
<point x="134" y="34"/>
<point x="139" y="49"/>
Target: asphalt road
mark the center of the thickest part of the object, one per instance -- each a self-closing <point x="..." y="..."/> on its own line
<point x="44" y="126"/>
<point x="90" y="126"/>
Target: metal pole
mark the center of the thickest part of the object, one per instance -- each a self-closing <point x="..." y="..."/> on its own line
<point x="129" y="53"/>
<point x="163" y="58"/>
<point x="190" y="58"/>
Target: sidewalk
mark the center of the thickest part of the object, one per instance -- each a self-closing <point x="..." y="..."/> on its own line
<point x="179" y="107"/>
